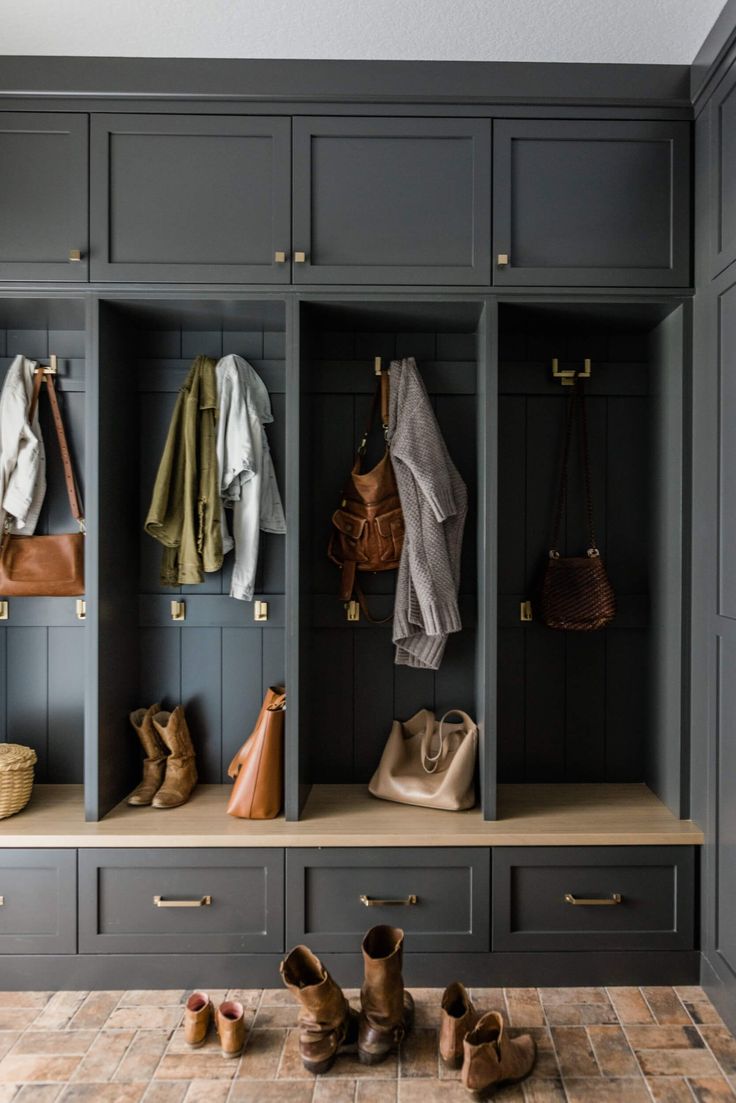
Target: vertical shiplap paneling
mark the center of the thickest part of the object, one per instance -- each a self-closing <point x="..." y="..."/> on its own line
<point x="201" y="679"/>
<point x="27" y="702"/>
<point x="373" y="699"/>
<point x="160" y="667"/>
<point x="66" y="704"/>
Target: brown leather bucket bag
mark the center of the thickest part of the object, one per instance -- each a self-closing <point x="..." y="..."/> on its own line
<point x="46" y="566"/>
<point x="368" y="527"/>
<point x="576" y="593"/>
<point x="258" y="767"/>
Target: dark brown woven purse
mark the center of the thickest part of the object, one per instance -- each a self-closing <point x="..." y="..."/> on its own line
<point x="576" y="592"/>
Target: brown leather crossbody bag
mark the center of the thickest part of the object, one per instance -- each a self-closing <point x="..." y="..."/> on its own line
<point x="368" y="526"/>
<point x="576" y="593"/>
<point x="46" y="566"/>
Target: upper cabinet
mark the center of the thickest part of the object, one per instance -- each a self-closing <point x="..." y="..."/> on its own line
<point x="591" y="203"/>
<point x="190" y="198"/>
<point x="391" y="200"/>
<point x="43" y="197"/>
<point x="722" y="205"/>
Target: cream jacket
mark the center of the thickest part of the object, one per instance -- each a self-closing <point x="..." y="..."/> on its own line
<point x="22" y="454"/>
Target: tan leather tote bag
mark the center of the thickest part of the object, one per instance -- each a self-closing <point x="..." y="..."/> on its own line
<point x="258" y="767"/>
<point x="429" y="763"/>
<point x="46" y="566"/>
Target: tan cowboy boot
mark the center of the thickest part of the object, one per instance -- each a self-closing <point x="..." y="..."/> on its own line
<point x="491" y="1058"/>
<point x="457" y="1018"/>
<point x="181" y="772"/>
<point x="387" y="1009"/>
<point x="197" y="1019"/>
<point x="155" y="751"/>
<point x="327" y="1023"/>
<point x="230" y="1026"/>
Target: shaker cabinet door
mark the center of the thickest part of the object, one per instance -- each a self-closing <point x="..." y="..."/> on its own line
<point x="43" y="197"/>
<point x="591" y="203"/>
<point x="387" y="200"/>
<point x="722" y="118"/>
<point x="193" y="197"/>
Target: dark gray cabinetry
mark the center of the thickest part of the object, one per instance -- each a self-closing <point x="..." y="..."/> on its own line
<point x="591" y="203"/>
<point x="43" y="197"/>
<point x="204" y="900"/>
<point x="722" y="110"/>
<point x="191" y="197"/>
<point x="439" y="896"/>
<point x="593" y="898"/>
<point x="391" y="200"/>
<point x="38" y="901"/>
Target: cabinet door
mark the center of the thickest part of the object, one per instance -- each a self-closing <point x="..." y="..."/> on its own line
<point x="192" y="197"/>
<point x="591" y="203"/>
<point x="392" y="200"/>
<point x="43" y="197"/>
<point x="722" y="173"/>
<point x="38" y="902"/>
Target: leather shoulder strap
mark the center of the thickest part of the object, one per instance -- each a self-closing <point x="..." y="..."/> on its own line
<point x="66" y="459"/>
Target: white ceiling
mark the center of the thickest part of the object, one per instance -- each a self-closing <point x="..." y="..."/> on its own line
<point x="640" y="31"/>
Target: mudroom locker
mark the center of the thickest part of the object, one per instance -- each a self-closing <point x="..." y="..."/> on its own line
<point x="509" y="237"/>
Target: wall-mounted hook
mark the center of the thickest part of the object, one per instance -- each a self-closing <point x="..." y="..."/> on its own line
<point x="178" y="610"/>
<point x="568" y="376"/>
<point x="52" y="368"/>
<point x="260" y="610"/>
<point x="4" y="610"/>
<point x="352" y="610"/>
<point x="377" y="365"/>
<point x="81" y="609"/>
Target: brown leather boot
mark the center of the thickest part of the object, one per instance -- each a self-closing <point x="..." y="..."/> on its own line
<point x="387" y="1009"/>
<point x="491" y="1058"/>
<point x="327" y="1023"/>
<point x="230" y="1026"/>
<point x="181" y="772"/>
<point x="457" y="1018"/>
<point x="155" y="751"/>
<point x="197" y="1019"/>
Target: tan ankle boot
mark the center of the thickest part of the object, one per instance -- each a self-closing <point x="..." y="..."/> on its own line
<point x="387" y="1009"/>
<point x="327" y="1023"/>
<point x="155" y="751"/>
<point x="491" y="1058"/>
<point x="230" y="1026"/>
<point x="457" y="1018"/>
<point x="197" y="1019"/>
<point x="181" y="772"/>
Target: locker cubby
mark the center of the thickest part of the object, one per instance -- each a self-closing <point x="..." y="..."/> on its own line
<point x="350" y="688"/>
<point x="608" y="705"/>
<point x="42" y="652"/>
<point x="219" y="660"/>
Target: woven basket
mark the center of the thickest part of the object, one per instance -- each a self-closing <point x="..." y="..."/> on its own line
<point x="16" y="777"/>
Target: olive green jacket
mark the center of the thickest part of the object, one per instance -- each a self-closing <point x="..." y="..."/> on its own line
<point x="185" y="509"/>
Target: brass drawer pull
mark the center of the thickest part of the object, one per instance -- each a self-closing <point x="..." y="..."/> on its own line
<point x="606" y="902"/>
<point x="203" y="902"/>
<point x="405" y="903"/>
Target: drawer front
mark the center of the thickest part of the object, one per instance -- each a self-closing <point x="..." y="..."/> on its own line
<point x="38" y="901"/>
<point x="549" y="898"/>
<point x="325" y="906"/>
<point x="181" y="901"/>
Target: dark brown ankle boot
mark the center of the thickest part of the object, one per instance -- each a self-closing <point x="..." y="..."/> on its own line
<point x="457" y="1018"/>
<point x="387" y="1009"/>
<point x="181" y="772"/>
<point x="327" y="1023"/>
<point x="154" y="764"/>
<point x="491" y="1058"/>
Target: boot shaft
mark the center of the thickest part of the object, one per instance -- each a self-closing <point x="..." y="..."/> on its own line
<point x="154" y="747"/>
<point x="174" y="732"/>
<point x="321" y="1000"/>
<point x="382" y="993"/>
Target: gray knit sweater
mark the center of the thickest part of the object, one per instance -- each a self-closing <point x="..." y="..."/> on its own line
<point x="434" y="501"/>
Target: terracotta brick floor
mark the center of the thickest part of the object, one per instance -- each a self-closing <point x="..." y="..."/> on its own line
<point x="615" y="1045"/>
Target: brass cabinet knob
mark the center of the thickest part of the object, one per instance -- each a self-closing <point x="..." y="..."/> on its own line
<point x="300" y="257"/>
<point x="502" y="260"/>
<point x="279" y="257"/>
<point x="75" y="255"/>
